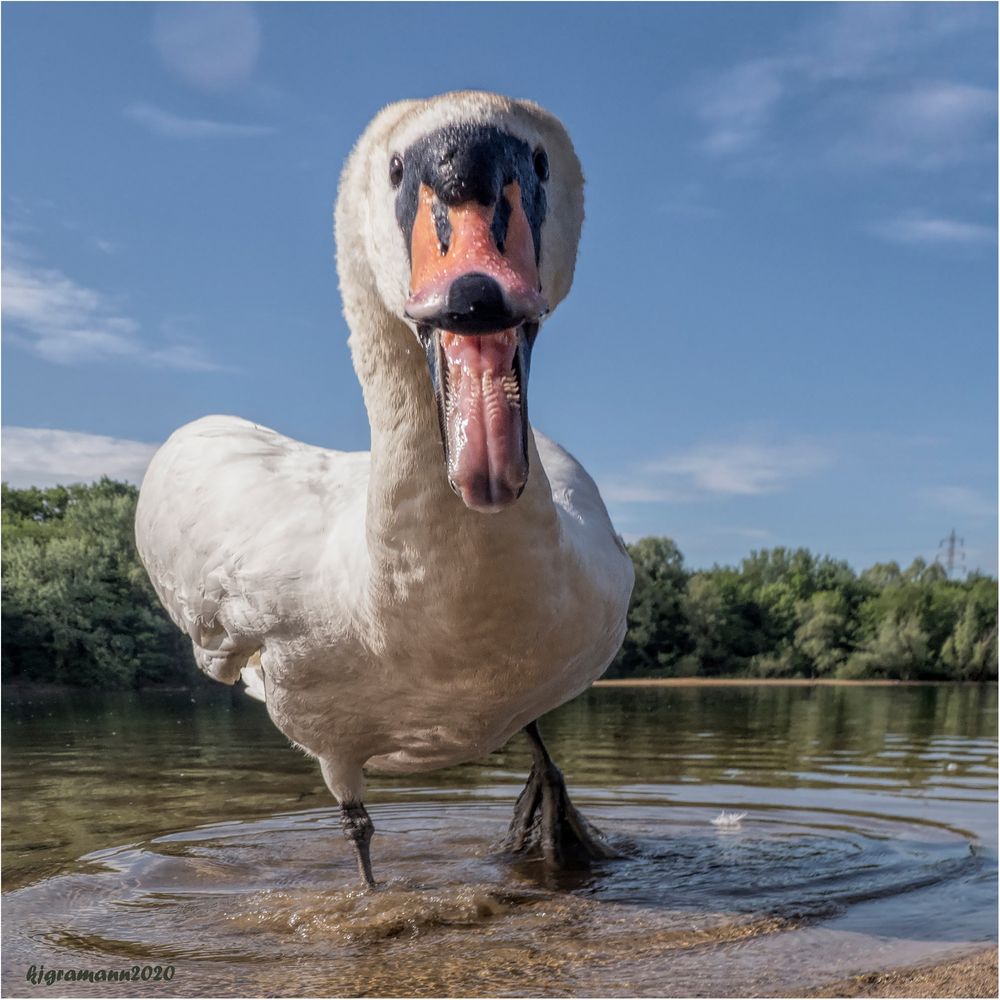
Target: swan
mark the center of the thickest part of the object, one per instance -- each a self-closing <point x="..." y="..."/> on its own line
<point x="415" y="606"/>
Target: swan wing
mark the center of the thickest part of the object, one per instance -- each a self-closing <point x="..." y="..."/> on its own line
<point x="248" y="535"/>
<point x="585" y="520"/>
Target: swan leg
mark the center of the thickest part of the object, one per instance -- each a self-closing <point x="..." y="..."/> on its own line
<point x="546" y="822"/>
<point x="358" y="829"/>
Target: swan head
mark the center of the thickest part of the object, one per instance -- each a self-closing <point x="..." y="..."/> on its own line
<point x="466" y="211"/>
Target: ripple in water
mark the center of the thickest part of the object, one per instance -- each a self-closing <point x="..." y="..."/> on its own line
<point x="274" y="905"/>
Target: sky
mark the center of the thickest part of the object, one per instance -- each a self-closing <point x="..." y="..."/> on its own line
<point x="783" y="328"/>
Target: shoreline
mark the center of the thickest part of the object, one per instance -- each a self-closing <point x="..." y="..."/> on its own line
<point x="973" y="975"/>
<point x="19" y="688"/>
<point x="769" y="682"/>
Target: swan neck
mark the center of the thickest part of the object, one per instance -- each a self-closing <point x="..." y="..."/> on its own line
<point x="413" y="517"/>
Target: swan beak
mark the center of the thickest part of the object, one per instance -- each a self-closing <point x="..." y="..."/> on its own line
<point x="480" y="387"/>
<point x="475" y="300"/>
<point x="455" y="247"/>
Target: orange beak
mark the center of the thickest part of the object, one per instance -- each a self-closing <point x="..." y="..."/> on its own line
<point x="452" y="244"/>
<point x="475" y="298"/>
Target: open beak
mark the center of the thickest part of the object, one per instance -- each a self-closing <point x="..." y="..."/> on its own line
<point x="475" y="299"/>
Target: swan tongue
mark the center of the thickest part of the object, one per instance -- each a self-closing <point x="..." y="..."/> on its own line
<point x="484" y="420"/>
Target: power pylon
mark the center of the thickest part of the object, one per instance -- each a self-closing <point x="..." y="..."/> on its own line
<point x="953" y="554"/>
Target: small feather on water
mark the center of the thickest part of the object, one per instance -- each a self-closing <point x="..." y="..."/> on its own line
<point x="728" y="820"/>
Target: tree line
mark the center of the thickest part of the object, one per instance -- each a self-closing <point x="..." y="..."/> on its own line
<point x="79" y="609"/>
<point x="790" y="613"/>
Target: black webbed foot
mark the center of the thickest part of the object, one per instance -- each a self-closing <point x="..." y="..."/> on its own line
<point x="546" y="824"/>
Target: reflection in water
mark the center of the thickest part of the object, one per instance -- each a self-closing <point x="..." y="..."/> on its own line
<point x="869" y="838"/>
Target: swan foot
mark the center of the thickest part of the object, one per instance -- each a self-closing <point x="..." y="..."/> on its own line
<point x="358" y="829"/>
<point x="546" y="824"/>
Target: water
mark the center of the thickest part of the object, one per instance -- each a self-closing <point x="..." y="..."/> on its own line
<point x="180" y="832"/>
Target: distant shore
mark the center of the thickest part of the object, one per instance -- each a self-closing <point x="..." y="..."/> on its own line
<point x="20" y="688"/>
<point x="767" y="682"/>
<point x="972" y="976"/>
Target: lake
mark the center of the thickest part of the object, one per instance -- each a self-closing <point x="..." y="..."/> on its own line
<point x="180" y="831"/>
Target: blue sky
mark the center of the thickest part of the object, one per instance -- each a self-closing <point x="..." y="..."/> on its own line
<point x="783" y="329"/>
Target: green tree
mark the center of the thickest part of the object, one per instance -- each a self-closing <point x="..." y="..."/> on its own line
<point x="78" y="607"/>
<point x="899" y="650"/>
<point x="970" y="652"/>
<point x="657" y="636"/>
<point x="725" y="629"/>
<point x="822" y="637"/>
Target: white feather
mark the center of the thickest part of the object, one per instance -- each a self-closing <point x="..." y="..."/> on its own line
<point x="729" y="820"/>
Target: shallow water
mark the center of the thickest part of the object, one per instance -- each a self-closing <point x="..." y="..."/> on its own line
<point x="179" y="830"/>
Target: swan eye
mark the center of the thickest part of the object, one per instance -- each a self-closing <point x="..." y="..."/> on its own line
<point x="395" y="171"/>
<point x="541" y="164"/>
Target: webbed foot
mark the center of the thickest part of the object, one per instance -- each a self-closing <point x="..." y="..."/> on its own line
<point x="546" y="824"/>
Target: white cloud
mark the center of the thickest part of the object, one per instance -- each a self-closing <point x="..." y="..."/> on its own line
<point x="850" y="41"/>
<point x="171" y="126"/>
<point x="920" y="229"/>
<point x="184" y="357"/>
<point x="940" y="107"/>
<point x="867" y="39"/>
<point x="737" y="107"/>
<point x="845" y="87"/>
<point x="35" y="456"/>
<point x="960" y="500"/>
<point x="689" y="200"/>
<point x="633" y="491"/>
<point x="49" y="314"/>
<point x="64" y="321"/>
<point x="210" y="45"/>
<point x="741" y="468"/>
<point x="929" y="124"/>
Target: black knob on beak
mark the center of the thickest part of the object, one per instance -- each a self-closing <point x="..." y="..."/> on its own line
<point x="476" y="304"/>
<point x="474" y="293"/>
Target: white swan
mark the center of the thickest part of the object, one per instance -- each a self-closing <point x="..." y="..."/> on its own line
<point x="408" y="609"/>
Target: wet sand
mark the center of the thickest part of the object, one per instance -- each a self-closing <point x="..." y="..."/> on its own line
<point x="972" y="976"/>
